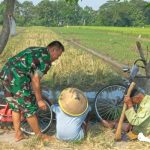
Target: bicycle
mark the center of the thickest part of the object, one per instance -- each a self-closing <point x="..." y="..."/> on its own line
<point x="45" y="117"/>
<point x="109" y="100"/>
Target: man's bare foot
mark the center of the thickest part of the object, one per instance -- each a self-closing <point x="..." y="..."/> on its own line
<point x="108" y="124"/>
<point x="127" y="127"/>
<point x="19" y="136"/>
<point x="46" y="138"/>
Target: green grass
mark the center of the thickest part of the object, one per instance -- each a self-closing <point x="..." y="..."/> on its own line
<point x="116" y="42"/>
<point x="98" y="138"/>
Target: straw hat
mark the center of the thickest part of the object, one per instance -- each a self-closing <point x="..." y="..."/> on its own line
<point x="73" y="102"/>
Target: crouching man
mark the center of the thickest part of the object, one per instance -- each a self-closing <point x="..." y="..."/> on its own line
<point x="139" y="119"/>
<point x="71" y="114"/>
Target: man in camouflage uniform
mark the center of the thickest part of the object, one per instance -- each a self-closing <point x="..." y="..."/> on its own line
<point x="20" y="76"/>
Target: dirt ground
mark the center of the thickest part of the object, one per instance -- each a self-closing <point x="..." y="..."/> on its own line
<point x="98" y="138"/>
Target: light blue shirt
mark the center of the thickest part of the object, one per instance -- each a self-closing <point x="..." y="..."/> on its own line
<point x="68" y="128"/>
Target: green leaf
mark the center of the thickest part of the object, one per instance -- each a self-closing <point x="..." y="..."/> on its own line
<point x="148" y="5"/>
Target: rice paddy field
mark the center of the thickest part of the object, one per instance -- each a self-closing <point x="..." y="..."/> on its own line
<point x="115" y="42"/>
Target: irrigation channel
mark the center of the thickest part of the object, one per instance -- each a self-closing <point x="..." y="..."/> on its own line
<point x="54" y="95"/>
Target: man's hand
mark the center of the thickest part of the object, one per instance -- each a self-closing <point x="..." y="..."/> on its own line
<point x="42" y="105"/>
<point x="138" y="98"/>
<point x="37" y="90"/>
<point x="128" y="101"/>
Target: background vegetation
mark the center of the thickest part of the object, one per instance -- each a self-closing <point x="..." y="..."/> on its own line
<point x="60" y="13"/>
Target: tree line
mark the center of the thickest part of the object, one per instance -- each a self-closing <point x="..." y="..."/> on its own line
<point x="60" y="13"/>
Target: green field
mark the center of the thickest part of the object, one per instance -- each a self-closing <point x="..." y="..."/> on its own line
<point x="115" y="42"/>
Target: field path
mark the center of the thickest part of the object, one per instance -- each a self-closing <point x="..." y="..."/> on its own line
<point x="98" y="139"/>
<point x="7" y="140"/>
<point x="115" y="65"/>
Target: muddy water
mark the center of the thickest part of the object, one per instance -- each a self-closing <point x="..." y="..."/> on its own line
<point x="54" y="95"/>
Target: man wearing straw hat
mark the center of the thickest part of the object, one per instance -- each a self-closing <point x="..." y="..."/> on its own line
<point x="71" y="113"/>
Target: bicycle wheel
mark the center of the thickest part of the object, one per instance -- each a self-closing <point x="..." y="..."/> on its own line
<point x="45" y="118"/>
<point x="109" y="102"/>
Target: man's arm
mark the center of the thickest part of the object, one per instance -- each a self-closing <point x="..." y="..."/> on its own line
<point x="136" y="118"/>
<point x="37" y="90"/>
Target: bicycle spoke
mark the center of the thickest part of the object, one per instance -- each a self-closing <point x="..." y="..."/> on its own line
<point x="109" y="102"/>
<point x="104" y="108"/>
<point x="106" y="113"/>
<point x="105" y="105"/>
<point x="45" y="118"/>
<point x="43" y="115"/>
<point x="108" y="117"/>
<point x="42" y="124"/>
<point x="112" y="113"/>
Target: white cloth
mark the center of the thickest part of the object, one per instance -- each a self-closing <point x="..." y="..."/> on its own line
<point x="143" y="138"/>
<point x="12" y="24"/>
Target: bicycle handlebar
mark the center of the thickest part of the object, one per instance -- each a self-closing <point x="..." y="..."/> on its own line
<point x="140" y="60"/>
<point x="135" y="69"/>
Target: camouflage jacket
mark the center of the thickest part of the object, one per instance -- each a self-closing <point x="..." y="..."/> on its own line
<point x="27" y="62"/>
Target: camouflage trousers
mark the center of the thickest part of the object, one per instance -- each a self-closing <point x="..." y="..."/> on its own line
<point x="18" y="92"/>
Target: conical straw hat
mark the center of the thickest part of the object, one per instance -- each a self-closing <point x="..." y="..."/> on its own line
<point x="73" y="102"/>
